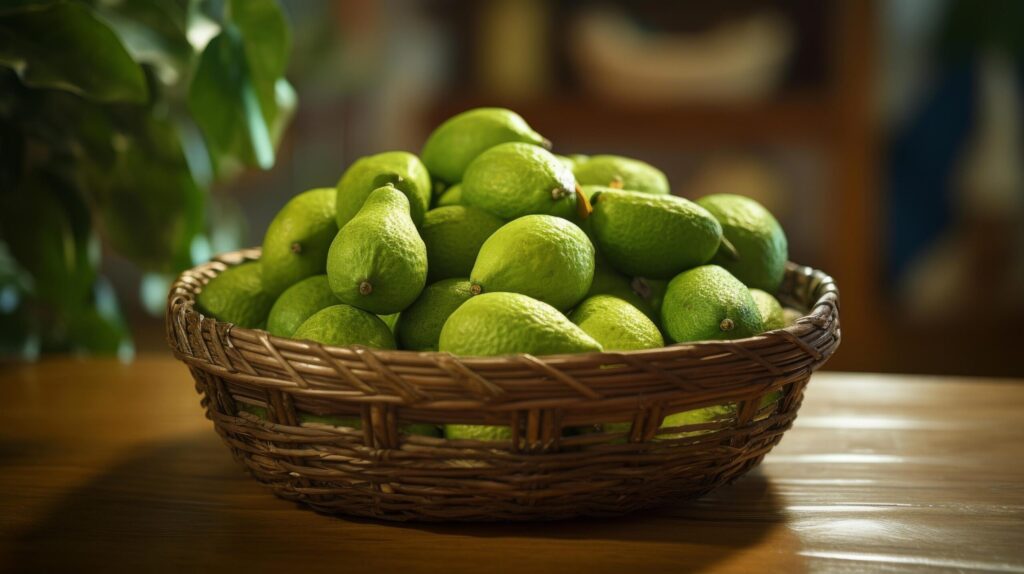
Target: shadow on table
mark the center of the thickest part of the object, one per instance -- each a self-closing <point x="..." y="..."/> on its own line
<point x="743" y="511"/>
<point x="184" y="503"/>
<point x="157" y="501"/>
<point x="13" y="452"/>
<point x="693" y="536"/>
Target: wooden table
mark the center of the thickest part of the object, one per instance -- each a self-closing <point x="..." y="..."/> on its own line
<point x="113" y="467"/>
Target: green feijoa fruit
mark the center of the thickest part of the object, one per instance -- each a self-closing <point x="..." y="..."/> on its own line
<point x="545" y="257"/>
<point x="608" y="281"/>
<point x="236" y="296"/>
<point x="450" y="196"/>
<point x="296" y="243"/>
<point x="708" y="303"/>
<point x="508" y="323"/>
<point x="343" y="421"/>
<point x="772" y="316"/>
<point x="653" y="236"/>
<point x="390" y="320"/>
<point x="402" y="170"/>
<point x="578" y="158"/>
<point x="255" y="410"/>
<point x="652" y="292"/>
<point x="757" y="249"/>
<point x="298" y="303"/>
<point x="459" y="140"/>
<point x="616" y="324"/>
<point x="346" y="325"/>
<point x="354" y="422"/>
<point x="686" y="418"/>
<point x="453" y="236"/>
<point x="477" y="432"/>
<point x="419" y="326"/>
<point x="377" y="261"/>
<point x="696" y="417"/>
<point x="791" y="316"/>
<point x="515" y="179"/>
<point x="621" y="173"/>
<point x="591" y="190"/>
<point x="566" y="160"/>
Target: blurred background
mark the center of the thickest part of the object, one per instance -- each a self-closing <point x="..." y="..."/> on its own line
<point x="885" y="136"/>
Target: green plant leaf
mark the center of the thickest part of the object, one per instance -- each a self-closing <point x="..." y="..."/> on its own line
<point x="239" y="96"/>
<point x="130" y="163"/>
<point x="90" y="333"/>
<point x="266" y="40"/>
<point x="80" y="159"/>
<point x="12" y="154"/>
<point x="149" y="207"/>
<point x="213" y="10"/>
<point x="203" y="22"/>
<point x="64" y="46"/>
<point x="67" y="124"/>
<point x="265" y="34"/>
<point x="12" y="6"/>
<point x="197" y="154"/>
<point x="11" y="274"/>
<point x="97" y="327"/>
<point x="153" y="289"/>
<point x="225" y="104"/>
<point x="155" y="228"/>
<point x="286" y="100"/>
<point x="153" y="32"/>
<point x="228" y="226"/>
<point x="48" y="230"/>
<point x="19" y="332"/>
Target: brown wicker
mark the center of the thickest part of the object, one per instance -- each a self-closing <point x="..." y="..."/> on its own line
<point x="539" y="474"/>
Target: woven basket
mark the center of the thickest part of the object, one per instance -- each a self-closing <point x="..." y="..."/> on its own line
<point x="549" y="469"/>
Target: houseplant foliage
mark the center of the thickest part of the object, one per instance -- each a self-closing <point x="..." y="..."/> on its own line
<point x="116" y="116"/>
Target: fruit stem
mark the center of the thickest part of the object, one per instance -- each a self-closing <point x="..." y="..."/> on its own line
<point x="616" y="182"/>
<point x="388" y="179"/>
<point x="726" y="324"/>
<point x="641" y="287"/>
<point x="296" y="248"/>
<point x="365" y="288"/>
<point x="729" y="250"/>
<point x="583" y="207"/>
<point x="476" y="289"/>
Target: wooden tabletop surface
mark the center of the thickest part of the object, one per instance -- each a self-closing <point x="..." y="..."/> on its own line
<point x="113" y="467"/>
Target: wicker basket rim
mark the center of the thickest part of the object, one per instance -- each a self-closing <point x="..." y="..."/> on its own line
<point x="816" y="318"/>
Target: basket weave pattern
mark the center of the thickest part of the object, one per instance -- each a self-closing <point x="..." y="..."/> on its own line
<point x="541" y="472"/>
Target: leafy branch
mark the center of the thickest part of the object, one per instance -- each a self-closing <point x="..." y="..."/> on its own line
<point x="115" y="119"/>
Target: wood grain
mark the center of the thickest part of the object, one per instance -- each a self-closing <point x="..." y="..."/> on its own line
<point x="112" y="467"/>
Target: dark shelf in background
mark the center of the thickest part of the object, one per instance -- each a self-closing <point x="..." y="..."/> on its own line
<point x="787" y="120"/>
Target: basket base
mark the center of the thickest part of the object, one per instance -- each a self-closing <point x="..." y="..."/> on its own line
<point x="602" y="494"/>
